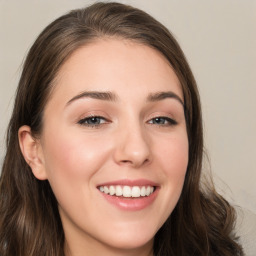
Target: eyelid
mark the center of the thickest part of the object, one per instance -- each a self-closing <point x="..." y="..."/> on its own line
<point x="93" y="113"/>
<point x="82" y="121"/>
<point x="170" y="121"/>
<point x="171" y="118"/>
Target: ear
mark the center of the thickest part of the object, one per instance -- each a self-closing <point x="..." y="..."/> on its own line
<point x="32" y="152"/>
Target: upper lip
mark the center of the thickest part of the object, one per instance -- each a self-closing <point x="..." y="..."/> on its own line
<point x="127" y="182"/>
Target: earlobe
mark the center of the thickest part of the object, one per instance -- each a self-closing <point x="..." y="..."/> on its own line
<point x="32" y="153"/>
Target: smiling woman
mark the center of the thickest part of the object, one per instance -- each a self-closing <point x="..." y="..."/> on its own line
<point x="105" y="146"/>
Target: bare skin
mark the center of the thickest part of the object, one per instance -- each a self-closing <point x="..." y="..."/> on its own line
<point x="115" y="116"/>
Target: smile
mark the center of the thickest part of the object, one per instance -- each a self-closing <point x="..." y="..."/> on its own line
<point x="130" y="195"/>
<point x="127" y="191"/>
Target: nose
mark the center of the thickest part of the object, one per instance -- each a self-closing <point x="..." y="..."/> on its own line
<point x="132" y="147"/>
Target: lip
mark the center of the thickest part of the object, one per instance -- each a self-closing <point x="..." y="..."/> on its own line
<point x="126" y="182"/>
<point x="131" y="204"/>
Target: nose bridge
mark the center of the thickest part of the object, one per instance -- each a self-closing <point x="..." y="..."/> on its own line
<point x="133" y="144"/>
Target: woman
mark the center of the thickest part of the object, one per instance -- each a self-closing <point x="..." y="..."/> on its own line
<point x="105" y="144"/>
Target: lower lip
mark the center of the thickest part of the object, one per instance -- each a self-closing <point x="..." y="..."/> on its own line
<point x="133" y="203"/>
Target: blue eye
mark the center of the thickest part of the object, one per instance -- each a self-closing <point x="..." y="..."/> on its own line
<point x="163" y="121"/>
<point x="92" y="121"/>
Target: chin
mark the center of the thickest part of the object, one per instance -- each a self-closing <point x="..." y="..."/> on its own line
<point x="131" y="240"/>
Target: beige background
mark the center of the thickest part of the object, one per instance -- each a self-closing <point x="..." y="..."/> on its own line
<point x="219" y="40"/>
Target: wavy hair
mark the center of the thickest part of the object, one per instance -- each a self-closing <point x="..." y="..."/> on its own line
<point x="202" y="222"/>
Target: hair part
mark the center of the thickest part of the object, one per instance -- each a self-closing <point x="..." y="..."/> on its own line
<point x="30" y="224"/>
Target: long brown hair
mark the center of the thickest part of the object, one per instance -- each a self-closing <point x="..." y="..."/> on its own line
<point x="30" y="225"/>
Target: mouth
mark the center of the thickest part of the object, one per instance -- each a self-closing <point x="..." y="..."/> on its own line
<point x="130" y="195"/>
<point x="127" y="191"/>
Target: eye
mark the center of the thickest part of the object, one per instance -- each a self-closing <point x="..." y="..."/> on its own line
<point x="93" y="121"/>
<point x="162" y="121"/>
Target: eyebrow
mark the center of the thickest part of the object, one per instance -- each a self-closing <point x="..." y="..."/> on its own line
<point x="107" y="96"/>
<point x="110" y="96"/>
<point x="164" y="95"/>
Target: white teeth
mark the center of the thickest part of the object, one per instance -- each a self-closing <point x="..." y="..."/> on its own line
<point x="147" y="191"/>
<point x="127" y="191"/>
<point x="143" y="191"/>
<point x="106" y="190"/>
<point x="119" y="191"/>
<point x="135" y="191"/>
<point x="112" y="190"/>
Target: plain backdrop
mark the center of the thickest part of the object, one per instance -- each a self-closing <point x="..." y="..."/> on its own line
<point x="219" y="40"/>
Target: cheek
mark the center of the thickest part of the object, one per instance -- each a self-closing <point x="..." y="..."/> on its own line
<point x="173" y="159"/>
<point x="71" y="161"/>
<point x="173" y="155"/>
<point x="72" y="158"/>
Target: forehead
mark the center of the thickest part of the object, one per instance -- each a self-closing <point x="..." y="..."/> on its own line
<point x="116" y="65"/>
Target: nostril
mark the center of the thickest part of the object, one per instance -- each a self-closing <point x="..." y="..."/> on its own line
<point x="135" y="163"/>
<point x="146" y="161"/>
<point x="126" y="161"/>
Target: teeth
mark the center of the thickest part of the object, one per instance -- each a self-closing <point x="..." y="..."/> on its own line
<point x="119" y="191"/>
<point x="106" y="190"/>
<point x="127" y="191"/>
<point x="148" y="191"/>
<point x="143" y="191"/>
<point x="112" y="190"/>
<point x="135" y="191"/>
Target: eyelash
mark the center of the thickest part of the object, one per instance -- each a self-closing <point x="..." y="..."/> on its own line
<point x="98" y="121"/>
<point x="167" y="121"/>
<point x="85" y="121"/>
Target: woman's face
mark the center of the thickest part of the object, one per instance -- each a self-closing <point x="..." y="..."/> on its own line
<point x="114" y="145"/>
